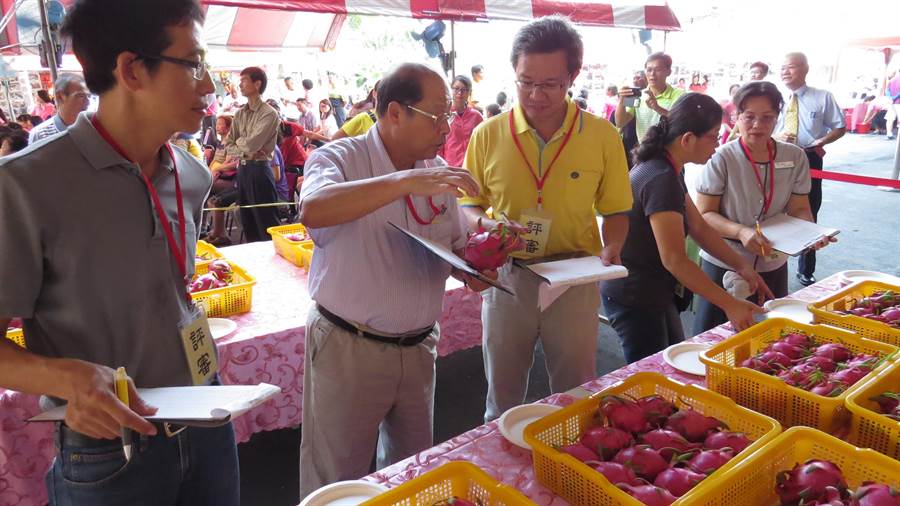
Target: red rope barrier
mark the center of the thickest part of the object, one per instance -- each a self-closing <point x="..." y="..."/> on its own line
<point x="854" y="178"/>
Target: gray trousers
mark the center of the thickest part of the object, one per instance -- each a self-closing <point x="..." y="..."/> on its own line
<point x="512" y="325"/>
<point x="359" y="393"/>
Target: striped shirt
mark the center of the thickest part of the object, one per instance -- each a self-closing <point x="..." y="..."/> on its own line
<point x="51" y="126"/>
<point x="365" y="271"/>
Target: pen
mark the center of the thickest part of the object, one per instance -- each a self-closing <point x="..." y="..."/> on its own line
<point x="762" y="249"/>
<point x="122" y="394"/>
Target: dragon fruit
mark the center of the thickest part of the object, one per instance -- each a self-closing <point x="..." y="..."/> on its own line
<point x="693" y="425"/>
<point x="645" y="461"/>
<point x="580" y="452"/>
<point x="851" y="375"/>
<point x="835" y="351"/>
<point x="489" y="249"/>
<point x="831" y="497"/>
<point x="793" y="352"/>
<point x="876" y="494"/>
<point x="798" y="339"/>
<point x="623" y="413"/>
<point x="298" y="237"/>
<point x="887" y="401"/>
<point x="650" y="495"/>
<point x="864" y="361"/>
<point x="222" y="269"/>
<point x="803" y="376"/>
<point x="707" y="461"/>
<point x="829" y="388"/>
<point x="606" y="441"/>
<point x="823" y="363"/>
<point x="668" y="442"/>
<point x="207" y="281"/>
<point x="614" y="472"/>
<point x="808" y="481"/>
<point x="768" y="362"/>
<point x="737" y="441"/>
<point x="656" y="409"/>
<point x="678" y="480"/>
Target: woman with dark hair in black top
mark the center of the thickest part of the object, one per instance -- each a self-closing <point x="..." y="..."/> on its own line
<point x="642" y="307"/>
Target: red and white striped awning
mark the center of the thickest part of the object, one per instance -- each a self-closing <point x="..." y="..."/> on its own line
<point x="654" y="15"/>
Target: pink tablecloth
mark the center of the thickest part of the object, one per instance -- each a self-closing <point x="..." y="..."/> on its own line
<point x="267" y="347"/>
<point x="485" y="447"/>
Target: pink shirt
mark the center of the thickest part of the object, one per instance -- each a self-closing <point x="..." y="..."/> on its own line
<point x="461" y="127"/>
<point x="44" y="110"/>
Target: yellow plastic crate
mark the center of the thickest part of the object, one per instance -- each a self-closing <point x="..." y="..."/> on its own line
<point x="454" y="479"/>
<point x="234" y="299"/>
<point x="298" y="253"/>
<point x="822" y="312"/>
<point x="868" y="428"/>
<point x="752" y="481"/>
<point x="16" y="336"/>
<point x="769" y="395"/>
<point x="581" y="485"/>
<point x="206" y="253"/>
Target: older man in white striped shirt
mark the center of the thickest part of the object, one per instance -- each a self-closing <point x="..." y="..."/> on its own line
<point x="370" y="341"/>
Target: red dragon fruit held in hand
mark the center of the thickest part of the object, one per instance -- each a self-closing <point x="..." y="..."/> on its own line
<point x="876" y="494"/>
<point x="737" y="441"/>
<point x="489" y="249"/>
<point x="580" y="452"/>
<point x="808" y="481"/>
<point x="656" y="409"/>
<point x="606" y="441"/>
<point x="624" y="413"/>
<point x="678" y="480"/>
<point x="650" y="495"/>
<point x="668" y="442"/>
<point x="693" y="425"/>
<point x="616" y="473"/>
<point x="707" y="461"/>
<point x="645" y="461"/>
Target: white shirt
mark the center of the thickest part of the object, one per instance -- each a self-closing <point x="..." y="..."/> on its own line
<point x="365" y="271"/>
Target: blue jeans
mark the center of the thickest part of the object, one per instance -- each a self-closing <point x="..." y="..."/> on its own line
<point x="197" y="467"/>
<point x="643" y="331"/>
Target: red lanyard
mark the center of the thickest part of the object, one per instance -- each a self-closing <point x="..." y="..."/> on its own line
<point x="435" y="211"/>
<point x="540" y="182"/>
<point x="180" y="255"/>
<point x="671" y="162"/>
<point x="767" y="198"/>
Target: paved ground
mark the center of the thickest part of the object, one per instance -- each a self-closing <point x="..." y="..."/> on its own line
<point x="869" y="220"/>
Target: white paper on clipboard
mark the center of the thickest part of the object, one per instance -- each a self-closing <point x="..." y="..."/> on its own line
<point x="793" y="236"/>
<point x="451" y="258"/>
<point x="557" y="276"/>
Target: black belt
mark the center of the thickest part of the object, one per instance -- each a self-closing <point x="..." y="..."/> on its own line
<point x="247" y="162"/>
<point x="349" y="327"/>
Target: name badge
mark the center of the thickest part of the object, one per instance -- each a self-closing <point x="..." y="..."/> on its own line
<point x="199" y="347"/>
<point x="538" y="223"/>
<point x="784" y="165"/>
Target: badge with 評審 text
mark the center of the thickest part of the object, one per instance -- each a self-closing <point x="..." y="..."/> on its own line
<point x="538" y="223"/>
<point x="199" y="347"/>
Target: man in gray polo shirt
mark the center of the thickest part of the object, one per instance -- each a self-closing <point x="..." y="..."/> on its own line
<point x="95" y="263"/>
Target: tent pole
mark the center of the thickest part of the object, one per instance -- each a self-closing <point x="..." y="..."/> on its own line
<point x="452" y="49"/>
<point x="48" y="40"/>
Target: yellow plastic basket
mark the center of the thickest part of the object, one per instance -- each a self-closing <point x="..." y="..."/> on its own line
<point x="298" y="253"/>
<point x="234" y="299"/>
<point x="868" y="428"/>
<point x="752" y="481"/>
<point x="16" y="336"/>
<point x="769" y="395"/>
<point x="206" y="253"/>
<point x="454" y="479"/>
<point x="823" y="312"/>
<point x="581" y="485"/>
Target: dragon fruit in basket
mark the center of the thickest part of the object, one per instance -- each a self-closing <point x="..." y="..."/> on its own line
<point x="222" y="269"/>
<point x="489" y="249"/>
<point x="208" y="281"/>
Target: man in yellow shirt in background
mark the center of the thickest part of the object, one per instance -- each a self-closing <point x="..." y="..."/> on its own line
<point x="552" y="167"/>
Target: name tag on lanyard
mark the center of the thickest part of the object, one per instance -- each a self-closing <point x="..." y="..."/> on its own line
<point x="199" y="347"/>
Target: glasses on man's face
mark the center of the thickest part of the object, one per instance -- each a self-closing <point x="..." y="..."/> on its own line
<point x="200" y="68"/>
<point x="545" y="87"/>
<point x="762" y="120"/>
<point x="438" y="119"/>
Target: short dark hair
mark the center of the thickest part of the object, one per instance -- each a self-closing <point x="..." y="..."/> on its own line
<point x="288" y="78"/>
<point x="501" y="98"/>
<point x="547" y="35"/>
<point x="663" y="57"/>
<point x="463" y="79"/>
<point x="307" y="84"/>
<point x="257" y="74"/>
<point x="45" y="96"/>
<point x="18" y="140"/>
<point x="403" y="85"/>
<point x="694" y="113"/>
<point x="23" y="117"/>
<point x="36" y="120"/>
<point x="100" y="30"/>
<point x="763" y="66"/>
<point x="759" y="89"/>
<point x="492" y="109"/>
<point x="476" y="69"/>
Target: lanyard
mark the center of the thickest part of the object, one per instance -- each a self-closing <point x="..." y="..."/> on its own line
<point x="767" y="198"/>
<point x="180" y="255"/>
<point x="435" y="211"/>
<point x="540" y="182"/>
<point x="671" y="162"/>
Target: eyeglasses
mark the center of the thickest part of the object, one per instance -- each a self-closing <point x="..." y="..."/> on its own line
<point x="460" y="91"/>
<point x="200" y="68"/>
<point x="438" y="119"/>
<point x="530" y="87"/>
<point x="764" y="120"/>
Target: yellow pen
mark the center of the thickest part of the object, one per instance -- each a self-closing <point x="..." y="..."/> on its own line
<point x="762" y="249"/>
<point x="122" y="394"/>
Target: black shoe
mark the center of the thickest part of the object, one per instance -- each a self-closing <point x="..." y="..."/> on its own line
<point x="806" y="280"/>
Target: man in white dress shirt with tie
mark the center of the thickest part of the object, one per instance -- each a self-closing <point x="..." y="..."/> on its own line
<point x="371" y="337"/>
<point x="811" y="118"/>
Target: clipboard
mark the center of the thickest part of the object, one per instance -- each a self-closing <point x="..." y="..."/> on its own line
<point x="196" y="406"/>
<point x="451" y="258"/>
<point x="792" y="236"/>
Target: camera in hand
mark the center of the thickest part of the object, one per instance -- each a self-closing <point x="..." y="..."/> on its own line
<point x="635" y="99"/>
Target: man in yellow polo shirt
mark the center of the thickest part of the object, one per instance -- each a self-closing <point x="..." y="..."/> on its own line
<point x="657" y="99"/>
<point x="547" y="163"/>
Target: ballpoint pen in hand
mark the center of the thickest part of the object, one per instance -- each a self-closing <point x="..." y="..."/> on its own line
<point x="762" y="249"/>
<point x="122" y="394"/>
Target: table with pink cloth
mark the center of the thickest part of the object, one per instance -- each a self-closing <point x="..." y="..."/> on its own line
<point x="486" y="447"/>
<point x="267" y="347"/>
